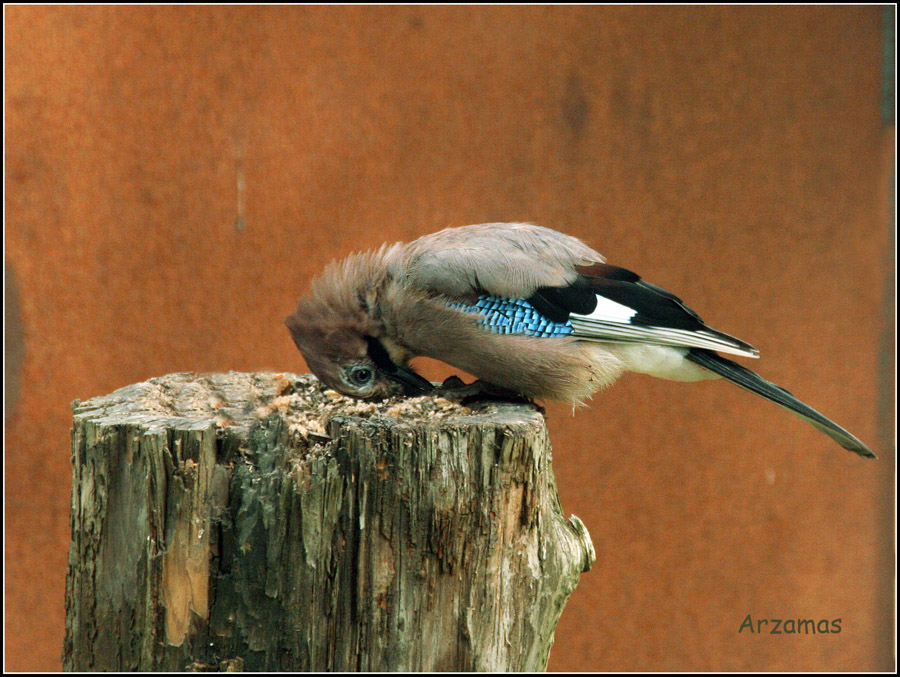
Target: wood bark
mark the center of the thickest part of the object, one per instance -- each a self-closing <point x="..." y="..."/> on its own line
<point x="258" y="522"/>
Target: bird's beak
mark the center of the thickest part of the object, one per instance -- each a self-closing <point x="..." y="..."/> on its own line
<point x="412" y="384"/>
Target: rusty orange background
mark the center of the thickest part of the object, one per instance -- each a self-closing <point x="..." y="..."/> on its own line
<point x="176" y="176"/>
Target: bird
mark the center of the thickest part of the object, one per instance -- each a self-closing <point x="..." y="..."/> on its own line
<point x="525" y="309"/>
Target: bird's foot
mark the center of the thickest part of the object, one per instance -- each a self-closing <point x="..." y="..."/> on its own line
<point x="453" y="388"/>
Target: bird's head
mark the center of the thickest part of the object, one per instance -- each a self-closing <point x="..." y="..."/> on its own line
<point x="340" y="338"/>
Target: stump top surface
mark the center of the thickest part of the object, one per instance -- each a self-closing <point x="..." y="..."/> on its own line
<point x="237" y="400"/>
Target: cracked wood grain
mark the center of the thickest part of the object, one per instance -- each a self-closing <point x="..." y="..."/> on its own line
<point x="260" y="522"/>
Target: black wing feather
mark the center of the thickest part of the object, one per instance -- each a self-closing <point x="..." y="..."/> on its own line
<point x="659" y="316"/>
<point x="555" y="303"/>
<point x="654" y="305"/>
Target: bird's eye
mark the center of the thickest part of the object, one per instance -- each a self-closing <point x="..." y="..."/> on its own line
<point x="361" y="375"/>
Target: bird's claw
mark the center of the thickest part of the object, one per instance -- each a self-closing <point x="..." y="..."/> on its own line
<point x="453" y="388"/>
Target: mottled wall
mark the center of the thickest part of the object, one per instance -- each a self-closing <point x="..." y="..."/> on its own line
<point x="175" y="177"/>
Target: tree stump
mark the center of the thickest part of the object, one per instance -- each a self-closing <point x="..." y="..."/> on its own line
<point x="260" y="522"/>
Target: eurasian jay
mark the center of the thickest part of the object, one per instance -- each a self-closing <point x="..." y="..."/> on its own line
<point x="519" y="306"/>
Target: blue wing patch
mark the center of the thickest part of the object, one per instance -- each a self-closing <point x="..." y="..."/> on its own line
<point x="514" y="316"/>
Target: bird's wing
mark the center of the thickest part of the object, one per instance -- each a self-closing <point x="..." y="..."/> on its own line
<point x="607" y="303"/>
<point x="562" y="279"/>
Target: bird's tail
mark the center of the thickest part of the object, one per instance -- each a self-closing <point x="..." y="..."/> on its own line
<point x="756" y="384"/>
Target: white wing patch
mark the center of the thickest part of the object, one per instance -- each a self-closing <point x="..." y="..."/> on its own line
<point x="608" y="310"/>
